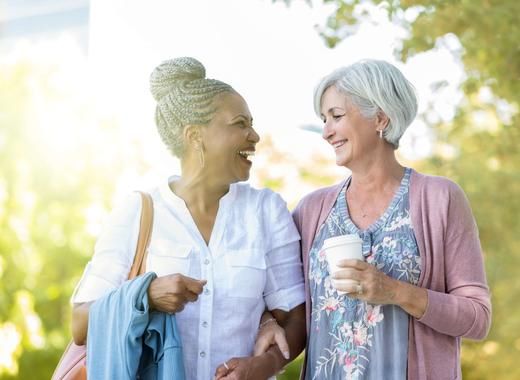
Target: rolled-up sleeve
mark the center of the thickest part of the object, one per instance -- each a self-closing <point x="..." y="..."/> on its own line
<point x="284" y="287"/>
<point x="113" y="253"/>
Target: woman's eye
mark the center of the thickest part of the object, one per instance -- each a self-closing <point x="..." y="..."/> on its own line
<point x="336" y="117"/>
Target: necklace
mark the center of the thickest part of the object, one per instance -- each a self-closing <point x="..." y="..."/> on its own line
<point x="348" y="194"/>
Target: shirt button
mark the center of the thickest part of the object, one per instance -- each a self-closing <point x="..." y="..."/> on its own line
<point x="206" y="262"/>
<point x="202" y="354"/>
<point x="206" y="291"/>
<point x="204" y="324"/>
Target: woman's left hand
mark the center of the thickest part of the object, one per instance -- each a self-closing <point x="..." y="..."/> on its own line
<point x="269" y="334"/>
<point x="368" y="283"/>
<point x="246" y="368"/>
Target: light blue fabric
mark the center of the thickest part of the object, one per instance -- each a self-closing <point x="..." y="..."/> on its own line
<point x="127" y="341"/>
<point x="351" y="339"/>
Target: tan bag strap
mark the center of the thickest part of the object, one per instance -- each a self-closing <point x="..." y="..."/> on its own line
<point x="145" y="233"/>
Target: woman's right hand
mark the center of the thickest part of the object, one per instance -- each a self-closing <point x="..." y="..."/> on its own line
<point x="169" y="294"/>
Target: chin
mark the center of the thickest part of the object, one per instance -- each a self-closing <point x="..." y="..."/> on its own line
<point x="241" y="178"/>
<point x="343" y="160"/>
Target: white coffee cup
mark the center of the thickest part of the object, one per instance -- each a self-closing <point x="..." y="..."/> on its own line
<point x="341" y="248"/>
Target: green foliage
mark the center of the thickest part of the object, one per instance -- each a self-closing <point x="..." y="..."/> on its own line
<point x="48" y="182"/>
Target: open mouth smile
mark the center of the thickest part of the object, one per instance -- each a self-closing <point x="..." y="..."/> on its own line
<point x="245" y="154"/>
<point x="338" y="144"/>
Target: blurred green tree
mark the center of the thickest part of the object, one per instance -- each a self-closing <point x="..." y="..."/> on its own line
<point x="54" y="187"/>
<point x="478" y="148"/>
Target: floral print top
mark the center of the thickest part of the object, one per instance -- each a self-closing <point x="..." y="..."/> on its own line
<point x="349" y="338"/>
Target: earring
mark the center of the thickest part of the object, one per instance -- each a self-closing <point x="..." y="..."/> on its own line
<point x="380" y="133"/>
<point x="201" y="157"/>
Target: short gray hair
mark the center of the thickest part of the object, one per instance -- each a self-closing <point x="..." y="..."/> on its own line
<point x="184" y="96"/>
<point x="373" y="86"/>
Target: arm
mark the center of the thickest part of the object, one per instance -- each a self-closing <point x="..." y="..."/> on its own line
<point x="463" y="307"/>
<point x="293" y="323"/>
<point x="167" y="294"/>
<point x="459" y="304"/>
<point x="271" y="361"/>
<point x="270" y="333"/>
<point x="284" y="290"/>
<point x="80" y="322"/>
<point x="378" y="288"/>
<point x="109" y="265"/>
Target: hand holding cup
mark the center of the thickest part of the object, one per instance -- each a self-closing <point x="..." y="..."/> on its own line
<point x="338" y="248"/>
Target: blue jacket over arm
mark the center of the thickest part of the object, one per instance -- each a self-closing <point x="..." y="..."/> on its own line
<point x="127" y="341"/>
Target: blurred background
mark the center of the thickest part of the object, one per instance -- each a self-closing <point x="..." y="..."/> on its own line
<point x="77" y="132"/>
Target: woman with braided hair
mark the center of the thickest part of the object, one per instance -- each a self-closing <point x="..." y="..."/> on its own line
<point x="223" y="251"/>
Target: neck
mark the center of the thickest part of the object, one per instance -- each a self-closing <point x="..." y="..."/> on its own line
<point x="381" y="174"/>
<point x="199" y="189"/>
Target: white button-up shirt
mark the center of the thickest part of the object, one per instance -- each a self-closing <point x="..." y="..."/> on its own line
<point x="252" y="261"/>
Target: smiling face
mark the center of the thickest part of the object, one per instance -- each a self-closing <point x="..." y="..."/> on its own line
<point x="229" y="139"/>
<point x="353" y="136"/>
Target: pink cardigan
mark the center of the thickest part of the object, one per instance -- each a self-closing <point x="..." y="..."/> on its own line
<point x="452" y="271"/>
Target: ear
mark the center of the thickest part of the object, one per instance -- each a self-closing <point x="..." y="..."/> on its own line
<point x="192" y="135"/>
<point x="381" y="120"/>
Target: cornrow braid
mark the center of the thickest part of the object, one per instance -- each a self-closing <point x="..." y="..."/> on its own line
<point x="184" y="96"/>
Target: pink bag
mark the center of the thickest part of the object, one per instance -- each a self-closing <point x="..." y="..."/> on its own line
<point x="73" y="364"/>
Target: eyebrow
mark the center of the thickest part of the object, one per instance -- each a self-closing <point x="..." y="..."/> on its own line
<point x="336" y="108"/>
<point x="331" y="109"/>
<point x="242" y="117"/>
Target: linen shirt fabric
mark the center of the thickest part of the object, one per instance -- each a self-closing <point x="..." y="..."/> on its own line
<point x="129" y="342"/>
<point x="358" y="333"/>
<point x="252" y="262"/>
<point x="452" y="271"/>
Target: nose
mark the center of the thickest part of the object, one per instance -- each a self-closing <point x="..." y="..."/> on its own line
<point x="252" y="136"/>
<point x="328" y="131"/>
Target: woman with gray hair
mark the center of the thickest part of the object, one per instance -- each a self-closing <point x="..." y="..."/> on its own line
<point x="402" y="311"/>
<point x="223" y="251"/>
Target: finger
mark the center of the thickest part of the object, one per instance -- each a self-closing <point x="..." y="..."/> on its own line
<point x="194" y="285"/>
<point x="347" y="274"/>
<point x="346" y="286"/>
<point x="281" y="342"/>
<point x="221" y="371"/>
<point x="178" y="308"/>
<point x="261" y="346"/>
<point x="352" y="263"/>
<point x="191" y="297"/>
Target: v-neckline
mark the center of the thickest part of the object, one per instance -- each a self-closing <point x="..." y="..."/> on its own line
<point x="179" y="205"/>
<point x="379" y="222"/>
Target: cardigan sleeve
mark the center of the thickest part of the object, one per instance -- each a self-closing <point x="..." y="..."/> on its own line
<point x="464" y="309"/>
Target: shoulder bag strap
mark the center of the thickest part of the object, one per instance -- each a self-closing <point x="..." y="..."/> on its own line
<point x="145" y="232"/>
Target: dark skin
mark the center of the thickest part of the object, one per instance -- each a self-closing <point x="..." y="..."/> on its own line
<point x="201" y="187"/>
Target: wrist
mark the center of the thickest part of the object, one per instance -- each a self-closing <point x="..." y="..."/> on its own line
<point x="269" y="364"/>
<point x="151" y="304"/>
<point x="412" y="299"/>
<point x="266" y="322"/>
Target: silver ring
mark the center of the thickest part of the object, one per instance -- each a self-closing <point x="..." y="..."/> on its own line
<point x="225" y="365"/>
<point x="359" y="288"/>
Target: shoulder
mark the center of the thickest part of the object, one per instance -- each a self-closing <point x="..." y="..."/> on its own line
<point x="318" y="197"/>
<point x="432" y="186"/>
<point x="260" y="197"/>
<point x="127" y="206"/>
